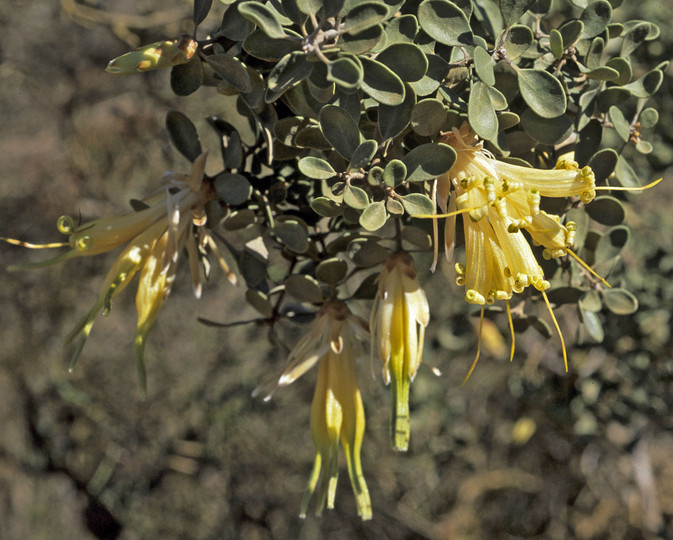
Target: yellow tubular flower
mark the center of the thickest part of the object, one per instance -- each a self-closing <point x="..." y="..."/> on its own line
<point x="497" y="200"/>
<point x="153" y="238"/>
<point x="158" y="55"/>
<point x="337" y="413"/>
<point x="398" y="320"/>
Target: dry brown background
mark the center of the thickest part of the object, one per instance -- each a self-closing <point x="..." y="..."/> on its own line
<point x="82" y="457"/>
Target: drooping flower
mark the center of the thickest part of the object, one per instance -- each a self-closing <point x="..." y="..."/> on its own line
<point x="171" y="220"/>
<point x="337" y="413"/>
<point x="497" y="201"/>
<point x="159" y="55"/>
<point x="398" y="319"/>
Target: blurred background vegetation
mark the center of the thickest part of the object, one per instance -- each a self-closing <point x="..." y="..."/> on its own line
<point x="521" y="451"/>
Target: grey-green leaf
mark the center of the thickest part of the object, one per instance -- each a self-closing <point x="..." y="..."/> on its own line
<point x="356" y="197"/>
<point x="513" y="10"/>
<point x="480" y="112"/>
<point x="304" y="288"/>
<point x="620" y="301"/>
<point x="364" y="15"/>
<point x="596" y="17"/>
<point x="381" y="83"/>
<point x="316" y="168"/>
<point x="445" y="22"/>
<point x="603" y="164"/>
<point x="232" y="188"/>
<point x="546" y="130"/>
<point x="405" y="60"/>
<point x="263" y="17"/>
<point x="183" y="135"/>
<point x="518" y="41"/>
<point x="620" y="123"/>
<point x="394" y="119"/>
<point x="374" y="216"/>
<point x="363" y="154"/>
<point x="417" y="204"/>
<point x="331" y="271"/>
<point x="291" y="70"/>
<point x="606" y="210"/>
<point x="340" y="130"/>
<point x="542" y="92"/>
<point x="483" y="65"/>
<point x="231" y="70"/>
<point x="346" y="73"/>
<point x="187" y="78"/>
<point x="293" y="234"/>
<point x="394" y="173"/>
<point x="428" y="161"/>
<point x="428" y="117"/>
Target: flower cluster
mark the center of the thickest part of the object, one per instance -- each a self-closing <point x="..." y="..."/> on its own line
<point x="170" y="220"/>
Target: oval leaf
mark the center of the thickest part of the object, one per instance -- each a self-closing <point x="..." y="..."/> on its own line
<point x="428" y="161"/>
<point x="417" y="204"/>
<point x="445" y="22"/>
<point x="406" y="60"/>
<point x="480" y="112"/>
<point x="620" y="301"/>
<point x="381" y="83"/>
<point x="183" y="135"/>
<point x="263" y="17"/>
<point x="393" y="119"/>
<point x="316" y="168"/>
<point x="542" y="92"/>
<point x="303" y="288"/>
<point x="374" y="216"/>
<point x="232" y="188"/>
<point x="606" y="210"/>
<point x="340" y="130"/>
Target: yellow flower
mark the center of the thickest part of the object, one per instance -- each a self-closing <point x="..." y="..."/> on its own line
<point x="153" y="238"/>
<point x="398" y="320"/>
<point x="337" y="413"/>
<point x="497" y="200"/>
<point x="162" y="54"/>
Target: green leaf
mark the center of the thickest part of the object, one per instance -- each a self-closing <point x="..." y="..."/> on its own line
<point x="428" y="117"/>
<point x="304" y="288"/>
<point x="183" y="135"/>
<point x="292" y="11"/>
<point x="316" y="168"/>
<point x="545" y="130"/>
<point x="623" y="68"/>
<point x="331" y="8"/>
<point x="596" y="17"/>
<point x="603" y="164"/>
<point x="445" y="22"/>
<point x="362" y="42"/>
<point x="231" y="70"/>
<point x="625" y="174"/>
<point x="394" y="173"/>
<point x="417" y="204"/>
<point x="606" y="210"/>
<point x="518" y="41"/>
<point x="634" y="37"/>
<point x="331" y="271"/>
<point x="291" y="70"/>
<point x="647" y="85"/>
<point x="437" y="70"/>
<point x="611" y="96"/>
<point x="374" y="216"/>
<point x="571" y="31"/>
<point x="201" y="9"/>
<point x="365" y="252"/>
<point x="402" y="29"/>
<point x="564" y="295"/>
<point x="556" y="43"/>
<point x="234" y="26"/>
<point x="364" y="15"/>
<point x="394" y="119"/>
<point x="264" y="17"/>
<point x="346" y="73"/>
<point x="239" y="219"/>
<point x="394" y="207"/>
<point x="232" y="188"/>
<point x="260" y="302"/>
<point x="480" y="112"/>
<point x="259" y="45"/>
<point x="648" y="118"/>
<point x="326" y="207"/>
<point x="513" y="10"/>
<point x="355" y="197"/>
<point x="428" y="161"/>
<point x="612" y="243"/>
<point x="620" y="301"/>
<point x="405" y="60"/>
<point x="381" y="83"/>
<point x="363" y="154"/>
<point x="187" y="78"/>
<point x="542" y="92"/>
<point x="340" y="130"/>
<point x="620" y="123"/>
<point x="483" y="65"/>
<point x="293" y="234"/>
<point x="589" y="141"/>
<point x="310" y="7"/>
